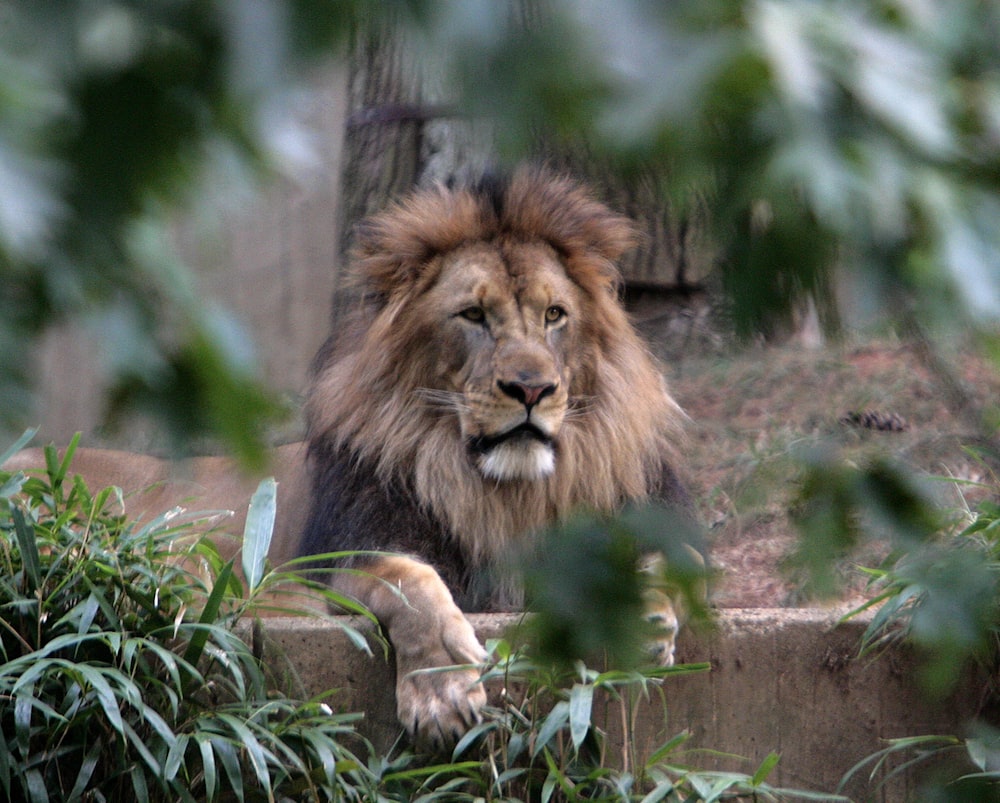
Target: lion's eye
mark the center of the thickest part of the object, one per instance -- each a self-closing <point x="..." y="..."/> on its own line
<point x="473" y="314"/>
<point x="554" y="314"/>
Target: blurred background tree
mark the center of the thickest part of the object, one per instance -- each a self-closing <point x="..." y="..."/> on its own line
<point x="113" y="115"/>
<point x="804" y="137"/>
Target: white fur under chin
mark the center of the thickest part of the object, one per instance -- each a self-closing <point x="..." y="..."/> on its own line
<point x="518" y="461"/>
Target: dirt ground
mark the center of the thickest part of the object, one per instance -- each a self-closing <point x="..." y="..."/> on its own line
<point x="753" y="410"/>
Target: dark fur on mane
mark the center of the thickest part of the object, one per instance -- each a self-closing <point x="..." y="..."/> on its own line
<point x="492" y="188"/>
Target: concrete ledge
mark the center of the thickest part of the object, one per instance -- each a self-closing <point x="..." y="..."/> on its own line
<point x="784" y="680"/>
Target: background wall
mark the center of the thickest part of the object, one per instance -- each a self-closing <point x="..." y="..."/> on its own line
<point x="272" y="262"/>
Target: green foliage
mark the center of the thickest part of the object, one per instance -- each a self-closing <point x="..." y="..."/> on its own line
<point x="962" y="770"/>
<point x="939" y="584"/>
<point x="123" y="671"/>
<point x="542" y="743"/>
<point x="112" y="115"/>
<point x="866" y="130"/>
<point x="938" y="590"/>
<point x="596" y="607"/>
<point x="124" y="674"/>
<point x="944" y="597"/>
<point x="841" y="505"/>
<point x="862" y="130"/>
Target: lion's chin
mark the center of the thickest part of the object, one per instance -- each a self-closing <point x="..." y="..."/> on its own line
<point x="518" y="460"/>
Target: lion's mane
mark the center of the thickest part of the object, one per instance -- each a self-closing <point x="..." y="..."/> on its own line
<point x="367" y="416"/>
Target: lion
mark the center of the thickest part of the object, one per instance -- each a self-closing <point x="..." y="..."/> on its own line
<point x="488" y="384"/>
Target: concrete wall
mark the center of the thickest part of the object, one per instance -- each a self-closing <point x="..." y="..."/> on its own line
<point x="785" y="680"/>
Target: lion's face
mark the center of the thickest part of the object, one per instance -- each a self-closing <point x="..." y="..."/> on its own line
<point x="490" y="367"/>
<point x="506" y="321"/>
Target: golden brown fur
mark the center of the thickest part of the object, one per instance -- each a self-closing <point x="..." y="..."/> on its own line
<point x="488" y="311"/>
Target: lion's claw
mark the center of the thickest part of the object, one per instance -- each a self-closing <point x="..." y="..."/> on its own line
<point x="664" y="618"/>
<point x="438" y="706"/>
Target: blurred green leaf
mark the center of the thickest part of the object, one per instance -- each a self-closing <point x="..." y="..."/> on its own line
<point x="17" y="445"/>
<point x="841" y="506"/>
<point x="583" y="584"/>
<point x="581" y="701"/>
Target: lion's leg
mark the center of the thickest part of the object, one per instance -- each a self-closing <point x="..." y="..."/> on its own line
<point x="661" y="613"/>
<point x="436" y="703"/>
<point x="665" y="610"/>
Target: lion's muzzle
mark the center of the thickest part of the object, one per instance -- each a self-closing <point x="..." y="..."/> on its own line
<point x="528" y="394"/>
<point x="524" y="433"/>
<point x="523" y="452"/>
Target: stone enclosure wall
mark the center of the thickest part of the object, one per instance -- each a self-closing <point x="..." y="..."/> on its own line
<point x="783" y="680"/>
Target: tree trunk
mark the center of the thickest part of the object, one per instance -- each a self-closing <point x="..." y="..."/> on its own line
<point x="402" y="131"/>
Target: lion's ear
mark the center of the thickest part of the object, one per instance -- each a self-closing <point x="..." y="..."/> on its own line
<point x="563" y="212"/>
<point x="394" y="248"/>
<point x="386" y="258"/>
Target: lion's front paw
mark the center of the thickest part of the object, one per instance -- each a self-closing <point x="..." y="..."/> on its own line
<point x="437" y="706"/>
<point x="660" y="612"/>
<point x="439" y="694"/>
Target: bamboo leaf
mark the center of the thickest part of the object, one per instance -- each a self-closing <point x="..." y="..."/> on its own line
<point x="554" y="722"/>
<point x="139" y="785"/>
<point x="37" y="792"/>
<point x="158" y="724"/>
<point x="209" y="614"/>
<point x="226" y="753"/>
<point x="323" y="751"/>
<point x="581" y="701"/>
<point x="29" y="549"/>
<point x="175" y="757"/>
<point x="12" y="485"/>
<point x="250" y="744"/>
<point x="23" y="706"/>
<point x="208" y="767"/>
<point x="258" y="531"/>
<point x="67" y="459"/>
<point x="659" y="792"/>
<point x="18" y="445"/>
<point x="764" y="770"/>
<point x="140" y="747"/>
<point x="87" y="766"/>
<point x="87" y="611"/>
<point x="105" y="694"/>
<point x="667" y="748"/>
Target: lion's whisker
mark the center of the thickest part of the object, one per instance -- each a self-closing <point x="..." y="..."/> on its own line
<point x="446" y="400"/>
<point x="579" y="407"/>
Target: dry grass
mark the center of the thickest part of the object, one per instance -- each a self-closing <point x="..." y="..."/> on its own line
<point x="752" y="411"/>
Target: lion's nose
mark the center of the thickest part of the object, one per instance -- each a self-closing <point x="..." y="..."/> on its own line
<point x="528" y="395"/>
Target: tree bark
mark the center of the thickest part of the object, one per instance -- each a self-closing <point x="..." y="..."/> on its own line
<point x="403" y="131"/>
